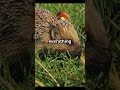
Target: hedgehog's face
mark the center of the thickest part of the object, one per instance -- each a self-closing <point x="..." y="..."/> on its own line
<point x="65" y="32"/>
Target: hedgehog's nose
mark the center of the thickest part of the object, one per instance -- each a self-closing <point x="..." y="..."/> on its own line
<point x="79" y="50"/>
<point x="77" y="53"/>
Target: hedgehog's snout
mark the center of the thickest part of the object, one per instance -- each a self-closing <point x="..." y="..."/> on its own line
<point x="76" y="53"/>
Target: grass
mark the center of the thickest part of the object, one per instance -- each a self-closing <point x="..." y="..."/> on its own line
<point x="60" y="70"/>
<point x="7" y="82"/>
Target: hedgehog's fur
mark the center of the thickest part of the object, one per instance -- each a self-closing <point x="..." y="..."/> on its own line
<point x="48" y="26"/>
<point x="16" y="30"/>
<point x="16" y="26"/>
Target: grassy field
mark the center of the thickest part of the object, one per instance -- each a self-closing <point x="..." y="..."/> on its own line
<point x="61" y="70"/>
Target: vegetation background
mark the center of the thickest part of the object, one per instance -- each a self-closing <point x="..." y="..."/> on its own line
<point x="109" y="11"/>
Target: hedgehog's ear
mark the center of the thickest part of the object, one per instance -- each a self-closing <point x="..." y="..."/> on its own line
<point x="55" y="34"/>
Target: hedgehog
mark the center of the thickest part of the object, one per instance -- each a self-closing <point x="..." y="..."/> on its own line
<point x="55" y="27"/>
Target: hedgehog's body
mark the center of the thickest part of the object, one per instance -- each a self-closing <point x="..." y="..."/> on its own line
<point x="49" y="27"/>
<point x="16" y="42"/>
